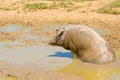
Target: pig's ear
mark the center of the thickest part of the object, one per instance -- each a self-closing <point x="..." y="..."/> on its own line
<point x="61" y="32"/>
<point x="59" y="35"/>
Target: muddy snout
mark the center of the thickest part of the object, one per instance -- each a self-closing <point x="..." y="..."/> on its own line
<point x="52" y="42"/>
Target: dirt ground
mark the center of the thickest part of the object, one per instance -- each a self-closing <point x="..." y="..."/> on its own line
<point x="42" y="23"/>
<point x="85" y="15"/>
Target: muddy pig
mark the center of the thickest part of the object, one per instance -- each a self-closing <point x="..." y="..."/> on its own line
<point x="84" y="43"/>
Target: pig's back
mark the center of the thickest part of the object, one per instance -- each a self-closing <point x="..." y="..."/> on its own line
<point x="94" y="39"/>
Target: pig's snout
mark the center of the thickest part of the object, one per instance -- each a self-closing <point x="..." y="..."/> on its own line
<point x="52" y="42"/>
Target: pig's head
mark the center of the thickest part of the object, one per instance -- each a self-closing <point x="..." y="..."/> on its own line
<point x="57" y="40"/>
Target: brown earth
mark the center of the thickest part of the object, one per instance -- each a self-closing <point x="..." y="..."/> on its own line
<point x="86" y="15"/>
<point x="12" y="12"/>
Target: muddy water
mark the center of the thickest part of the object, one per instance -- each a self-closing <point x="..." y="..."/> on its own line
<point x="89" y="71"/>
<point x="52" y="58"/>
<point x="92" y="71"/>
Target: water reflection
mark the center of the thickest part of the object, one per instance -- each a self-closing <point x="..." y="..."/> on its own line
<point x="11" y="28"/>
<point x="61" y="54"/>
<point x="90" y="71"/>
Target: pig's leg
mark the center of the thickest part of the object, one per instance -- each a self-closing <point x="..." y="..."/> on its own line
<point x="74" y="56"/>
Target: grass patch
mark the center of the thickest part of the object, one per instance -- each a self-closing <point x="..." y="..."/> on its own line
<point x="82" y="0"/>
<point x="36" y="6"/>
<point x="71" y="0"/>
<point x="113" y="8"/>
<point x="55" y="4"/>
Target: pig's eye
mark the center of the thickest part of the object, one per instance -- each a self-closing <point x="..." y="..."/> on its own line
<point x="57" y="30"/>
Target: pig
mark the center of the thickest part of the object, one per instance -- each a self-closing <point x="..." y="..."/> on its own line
<point x="84" y="43"/>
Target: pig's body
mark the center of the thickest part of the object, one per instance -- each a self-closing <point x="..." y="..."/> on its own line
<point x="85" y="44"/>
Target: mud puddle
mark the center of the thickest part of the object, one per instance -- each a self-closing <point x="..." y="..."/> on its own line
<point x="94" y="72"/>
<point x="15" y="35"/>
<point x="27" y="49"/>
<point x="20" y="46"/>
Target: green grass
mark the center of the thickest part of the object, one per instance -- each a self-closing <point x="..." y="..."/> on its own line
<point x="111" y="8"/>
<point x="54" y="5"/>
<point x="81" y="0"/>
<point x="36" y="6"/>
<point x="71" y="0"/>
